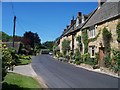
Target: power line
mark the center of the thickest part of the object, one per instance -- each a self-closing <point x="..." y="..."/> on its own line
<point x="12" y="6"/>
<point x="20" y="24"/>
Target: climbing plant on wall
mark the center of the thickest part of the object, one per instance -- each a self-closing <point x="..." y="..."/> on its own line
<point x="118" y="32"/>
<point x="85" y="40"/>
<point x="107" y="36"/>
<point x="78" y="38"/>
<point x="65" y="46"/>
<point x="95" y="38"/>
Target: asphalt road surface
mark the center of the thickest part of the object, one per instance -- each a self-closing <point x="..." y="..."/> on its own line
<point x="57" y="74"/>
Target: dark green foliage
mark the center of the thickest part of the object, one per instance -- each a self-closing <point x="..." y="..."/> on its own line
<point x="107" y="36"/>
<point x="79" y="42"/>
<point x="96" y="58"/>
<point x="118" y="32"/>
<point x="5" y="37"/>
<point x="65" y="46"/>
<point x="86" y="57"/>
<point x="49" y="45"/>
<point x="95" y="38"/>
<point x="6" y="61"/>
<point x="88" y="60"/>
<point x="31" y="42"/>
<point x="107" y="60"/>
<point x="78" y="62"/>
<point x="116" y="58"/>
<point x="85" y="40"/>
<point x="78" y="58"/>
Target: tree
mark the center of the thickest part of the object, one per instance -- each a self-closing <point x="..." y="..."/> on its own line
<point x="8" y="38"/>
<point x="49" y="45"/>
<point x="5" y="37"/>
<point x="31" y="41"/>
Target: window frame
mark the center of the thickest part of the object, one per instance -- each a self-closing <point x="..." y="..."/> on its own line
<point x="92" y="50"/>
<point x="92" y="32"/>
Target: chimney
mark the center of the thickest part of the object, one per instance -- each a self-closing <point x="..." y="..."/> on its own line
<point x="71" y="22"/>
<point x="101" y="2"/>
<point x="64" y="29"/>
<point x="79" y="14"/>
<point x="67" y="26"/>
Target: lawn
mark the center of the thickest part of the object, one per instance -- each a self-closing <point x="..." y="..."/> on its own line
<point x="19" y="82"/>
<point x="24" y="62"/>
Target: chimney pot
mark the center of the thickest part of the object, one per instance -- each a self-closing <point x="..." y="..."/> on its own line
<point x="79" y="14"/>
<point x="67" y="26"/>
<point x="64" y="29"/>
<point x="71" y="22"/>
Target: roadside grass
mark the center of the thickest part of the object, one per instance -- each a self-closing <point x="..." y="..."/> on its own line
<point x="24" y="60"/>
<point x="19" y="82"/>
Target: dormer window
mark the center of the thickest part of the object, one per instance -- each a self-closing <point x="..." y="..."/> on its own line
<point x="92" y="32"/>
<point x="77" y="22"/>
<point x="83" y="19"/>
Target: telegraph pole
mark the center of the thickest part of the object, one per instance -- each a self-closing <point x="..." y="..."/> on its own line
<point x="14" y="29"/>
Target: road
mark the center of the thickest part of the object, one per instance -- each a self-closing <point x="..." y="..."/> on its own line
<point x="58" y="74"/>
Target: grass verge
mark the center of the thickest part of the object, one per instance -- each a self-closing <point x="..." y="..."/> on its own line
<point x="19" y="82"/>
<point x="24" y="62"/>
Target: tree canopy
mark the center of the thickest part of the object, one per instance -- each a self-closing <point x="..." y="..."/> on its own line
<point x="49" y="45"/>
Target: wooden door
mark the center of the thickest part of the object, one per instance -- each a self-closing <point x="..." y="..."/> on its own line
<point x="101" y="57"/>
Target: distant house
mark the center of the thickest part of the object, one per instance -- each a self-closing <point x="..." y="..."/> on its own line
<point x="10" y="45"/>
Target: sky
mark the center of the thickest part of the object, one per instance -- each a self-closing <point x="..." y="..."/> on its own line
<point x="48" y="19"/>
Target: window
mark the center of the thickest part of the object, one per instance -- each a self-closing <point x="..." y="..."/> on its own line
<point x="77" y="22"/>
<point x="92" y="32"/>
<point x="92" y="51"/>
<point x="83" y="19"/>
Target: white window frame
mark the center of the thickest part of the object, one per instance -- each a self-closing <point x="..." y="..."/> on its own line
<point x="92" y="32"/>
<point x="91" y="50"/>
<point x="83" y="19"/>
<point x="77" y="22"/>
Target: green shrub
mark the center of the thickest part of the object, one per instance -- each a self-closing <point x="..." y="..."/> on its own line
<point x="107" y="60"/>
<point x="116" y="58"/>
<point x="78" y="56"/>
<point x="6" y="61"/>
<point x="67" y="57"/>
<point x="86" y="57"/>
<point x="107" y="37"/>
<point x="85" y="40"/>
<point x="78" y="62"/>
<point x="118" y="32"/>
<point x="65" y="46"/>
<point x="96" y="58"/>
<point x="90" y="61"/>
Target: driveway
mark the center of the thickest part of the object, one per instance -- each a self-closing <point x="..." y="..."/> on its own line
<point x="57" y="74"/>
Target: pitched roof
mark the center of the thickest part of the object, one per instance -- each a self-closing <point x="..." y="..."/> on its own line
<point x="9" y="45"/>
<point x="70" y="29"/>
<point x="107" y="11"/>
<point x="82" y="24"/>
